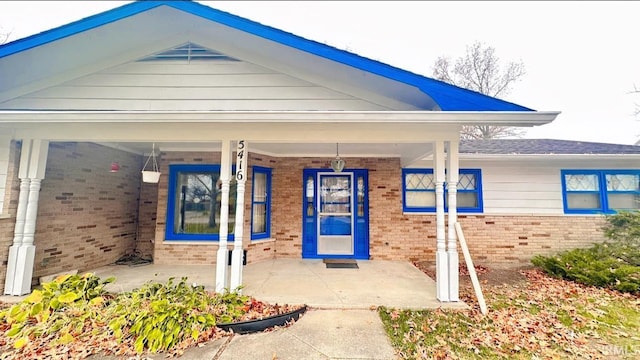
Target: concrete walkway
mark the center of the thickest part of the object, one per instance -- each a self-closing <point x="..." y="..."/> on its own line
<point x="319" y="334"/>
<point x="341" y="322"/>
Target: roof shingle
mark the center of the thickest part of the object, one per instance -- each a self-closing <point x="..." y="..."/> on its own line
<point x="543" y="146"/>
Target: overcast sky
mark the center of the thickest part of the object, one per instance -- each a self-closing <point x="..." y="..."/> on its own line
<point x="582" y="58"/>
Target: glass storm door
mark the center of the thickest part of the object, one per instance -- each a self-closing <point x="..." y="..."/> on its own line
<point x="335" y="214"/>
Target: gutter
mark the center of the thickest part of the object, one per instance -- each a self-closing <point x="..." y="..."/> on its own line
<point x="515" y="118"/>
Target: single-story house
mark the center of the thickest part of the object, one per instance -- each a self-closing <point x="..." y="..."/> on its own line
<point x="268" y="145"/>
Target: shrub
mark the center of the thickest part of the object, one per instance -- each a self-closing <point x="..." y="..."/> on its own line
<point x="45" y="311"/>
<point x="155" y="317"/>
<point x="623" y="230"/>
<point x="160" y="316"/>
<point x="614" y="264"/>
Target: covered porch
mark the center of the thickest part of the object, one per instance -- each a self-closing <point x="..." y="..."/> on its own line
<point x="374" y="283"/>
<point x="292" y="141"/>
<point x="368" y="138"/>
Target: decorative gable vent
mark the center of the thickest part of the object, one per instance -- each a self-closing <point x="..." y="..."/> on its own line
<point x="188" y="52"/>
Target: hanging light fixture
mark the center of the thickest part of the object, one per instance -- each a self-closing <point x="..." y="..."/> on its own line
<point x="337" y="164"/>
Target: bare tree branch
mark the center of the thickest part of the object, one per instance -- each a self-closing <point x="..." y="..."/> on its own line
<point x="479" y="70"/>
<point x="636" y="91"/>
<point x="4" y="36"/>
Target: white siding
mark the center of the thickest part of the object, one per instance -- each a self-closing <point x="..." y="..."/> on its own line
<point x="531" y="186"/>
<point x="522" y="189"/>
<point x="199" y="85"/>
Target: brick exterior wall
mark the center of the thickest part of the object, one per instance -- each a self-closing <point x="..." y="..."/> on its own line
<point x="87" y="215"/>
<point x="147" y="218"/>
<point x="492" y="239"/>
<point x="514" y="240"/>
<point x="385" y="206"/>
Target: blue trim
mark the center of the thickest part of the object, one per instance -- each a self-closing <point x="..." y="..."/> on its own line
<point x="602" y="192"/>
<point x="478" y="191"/>
<point x="362" y="222"/>
<point x="448" y="97"/>
<point x="267" y="203"/>
<point x="170" y="233"/>
<point x="309" y="215"/>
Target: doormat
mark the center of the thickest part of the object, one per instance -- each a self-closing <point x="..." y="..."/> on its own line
<point x="133" y="260"/>
<point x="340" y="263"/>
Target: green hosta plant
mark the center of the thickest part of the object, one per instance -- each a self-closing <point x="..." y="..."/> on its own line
<point x="156" y="317"/>
<point x="43" y="311"/>
<point x="160" y="316"/>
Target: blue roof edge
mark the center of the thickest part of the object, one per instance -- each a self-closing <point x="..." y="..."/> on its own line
<point x="430" y="86"/>
<point x="78" y="26"/>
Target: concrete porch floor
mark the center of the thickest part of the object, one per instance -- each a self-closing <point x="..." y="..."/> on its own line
<point x="396" y="284"/>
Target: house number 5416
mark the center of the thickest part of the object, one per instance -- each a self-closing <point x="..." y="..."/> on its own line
<point x="240" y="160"/>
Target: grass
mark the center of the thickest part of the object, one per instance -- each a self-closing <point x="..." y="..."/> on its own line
<point x="425" y="334"/>
<point x="544" y="318"/>
<point x="616" y="321"/>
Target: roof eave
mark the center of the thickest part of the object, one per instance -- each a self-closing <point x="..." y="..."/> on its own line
<point x="523" y="119"/>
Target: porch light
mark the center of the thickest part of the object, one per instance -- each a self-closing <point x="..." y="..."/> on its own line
<point x="337" y="164"/>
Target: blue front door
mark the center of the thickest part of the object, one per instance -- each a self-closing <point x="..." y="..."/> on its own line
<point x="335" y="214"/>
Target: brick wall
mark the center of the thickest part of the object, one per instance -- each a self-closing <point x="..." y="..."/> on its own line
<point x="11" y="206"/>
<point x="393" y="235"/>
<point x="499" y="240"/>
<point x="385" y="206"/>
<point x="514" y="240"/>
<point x="87" y="215"/>
<point x="147" y="218"/>
<point x="493" y="239"/>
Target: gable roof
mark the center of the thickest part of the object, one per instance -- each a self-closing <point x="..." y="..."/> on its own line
<point x="447" y="97"/>
<point x="543" y="147"/>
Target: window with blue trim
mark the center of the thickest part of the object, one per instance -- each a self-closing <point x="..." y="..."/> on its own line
<point x="600" y="191"/>
<point x="194" y="203"/>
<point x="419" y="191"/>
<point x="261" y="203"/>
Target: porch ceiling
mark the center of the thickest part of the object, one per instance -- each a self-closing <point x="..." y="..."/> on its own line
<point x="407" y="152"/>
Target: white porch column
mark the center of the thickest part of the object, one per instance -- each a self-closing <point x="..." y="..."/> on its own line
<point x="223" y="252"/>
<point x="442" y="270"/>
<point x="242" y="156"/>
<point x="21" y="214"/>
<point x="452" y="249"/>
<point x="33" y="160"/>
